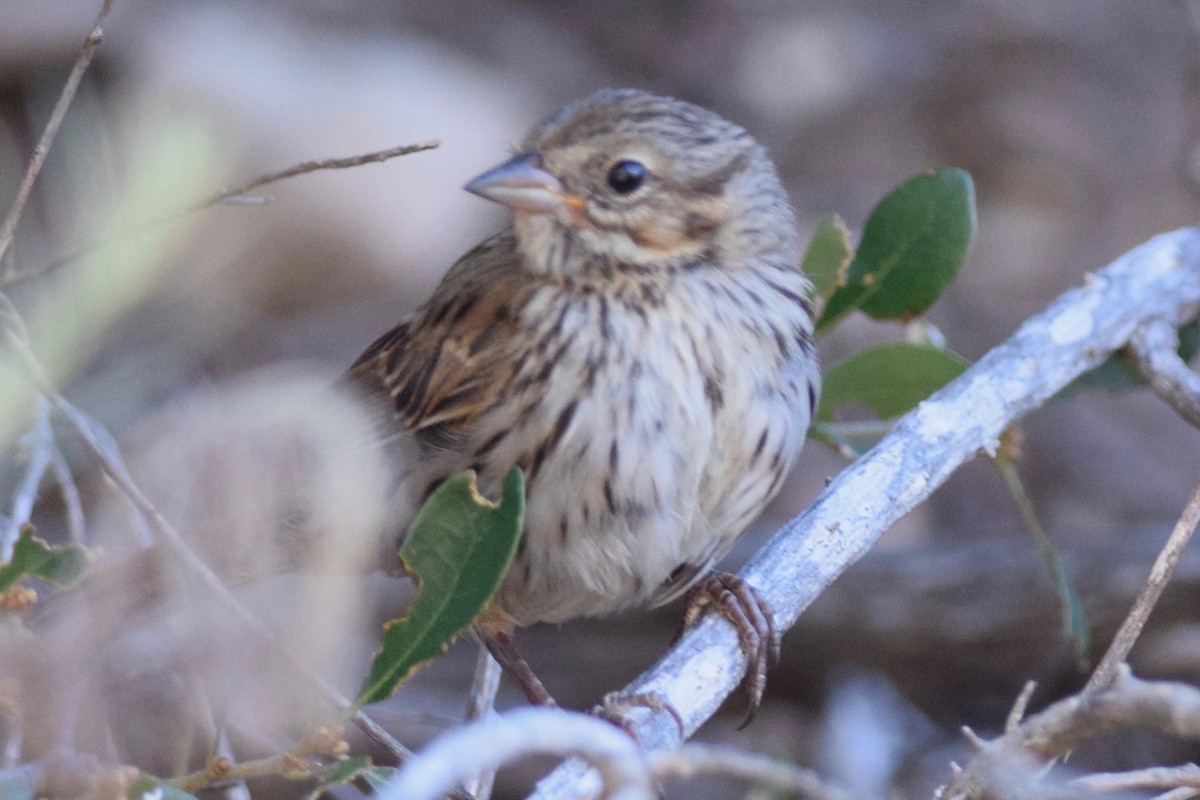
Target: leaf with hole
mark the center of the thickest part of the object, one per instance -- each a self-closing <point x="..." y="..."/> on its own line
<point x="828" y="255"/>
<point x="458" y="549"/>
<point x="890" y="379"/>
<point x="913" y="245"/>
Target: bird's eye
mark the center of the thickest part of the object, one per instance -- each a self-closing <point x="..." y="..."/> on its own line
<point x="626" y="176"/>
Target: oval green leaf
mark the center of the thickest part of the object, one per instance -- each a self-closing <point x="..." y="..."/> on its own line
<point x="912" y="246"/>
<point x="890" y="379"/>
<point x="458" y="549"/>
<point x="828" y="255"/>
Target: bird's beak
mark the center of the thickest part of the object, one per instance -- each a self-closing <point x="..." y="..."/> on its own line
<point x="523" y="185"/>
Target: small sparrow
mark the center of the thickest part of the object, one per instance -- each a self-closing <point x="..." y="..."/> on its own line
<point x="639" y="341"/>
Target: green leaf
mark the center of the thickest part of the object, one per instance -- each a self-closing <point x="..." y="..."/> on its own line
<point x="912" y="246"/>
<point x="828" y="255"/>
<point x="458" y="549"/>
<point x="890" y="379"/>
<point x="147" y="787"/>
<point x="58" y="564"/>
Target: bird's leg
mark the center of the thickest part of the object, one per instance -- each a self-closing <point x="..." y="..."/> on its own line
<point x="750" y="613"/>
<point x="504" y="650"/>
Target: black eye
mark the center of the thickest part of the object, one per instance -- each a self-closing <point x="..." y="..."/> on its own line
<point x="626" y="176"/>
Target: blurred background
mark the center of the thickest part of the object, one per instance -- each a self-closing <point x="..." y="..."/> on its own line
<point x="1079" y="122"/>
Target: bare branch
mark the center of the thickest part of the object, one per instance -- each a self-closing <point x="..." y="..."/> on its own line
<point x="1160" y="279"/>
<point x="223" y="196"/>
<point x="1154" y="350"/>
<point x="1020" y="706"/>
<point x="56" y="117"/>
<point x="1160" y="574"/>
<point x="305" y="167"/>
<point x="1014" y="762"/>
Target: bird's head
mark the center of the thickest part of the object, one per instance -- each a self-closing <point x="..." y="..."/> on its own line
<point x="633" y="180"/>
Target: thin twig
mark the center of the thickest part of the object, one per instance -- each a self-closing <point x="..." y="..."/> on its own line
<point x="223" y="196"/>
<point x="38" y="444"/>
<point x="76" y="522"/>
<point x="324" y="741"/>
<point x="313" y="166"/>
<point x="56" y="117"/>
<point x="484" y="687"/>
<point x="1160" y="574"/>
<point x="1154" y="350"/>
<point x="1070" y="609"/>
<point x="1017" y="713"/>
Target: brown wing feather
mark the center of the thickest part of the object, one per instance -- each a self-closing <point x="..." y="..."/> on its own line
<point x="447" y="362"/>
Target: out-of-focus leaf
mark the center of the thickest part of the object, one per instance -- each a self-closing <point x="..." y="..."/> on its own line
<point x="912" y="246"/>
<point x="890" y="379"/>
<point x="828" y="255"/>
<point x="458" y="549"/>
<point x="58" y="564"/>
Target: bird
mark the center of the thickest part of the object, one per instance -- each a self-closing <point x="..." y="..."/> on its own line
<point x="638" y="339"/>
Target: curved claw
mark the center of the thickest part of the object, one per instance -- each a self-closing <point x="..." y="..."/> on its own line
<point x="613" y="706"/>
<point x="751" y="614"/>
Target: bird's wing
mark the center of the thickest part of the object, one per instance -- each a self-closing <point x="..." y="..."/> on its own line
<point x="445" y="364"/>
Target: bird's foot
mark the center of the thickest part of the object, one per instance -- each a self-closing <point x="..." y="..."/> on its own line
<point x="615" y="706"/>
<point x="504" y="650"/>
<point x="754" y="619"/>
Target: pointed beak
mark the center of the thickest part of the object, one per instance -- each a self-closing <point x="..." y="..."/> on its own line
<point x="523" y="185"/>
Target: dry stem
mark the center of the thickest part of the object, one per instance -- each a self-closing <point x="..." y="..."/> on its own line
<point x="42" y="149"/>
<point x="1160" y="574"/>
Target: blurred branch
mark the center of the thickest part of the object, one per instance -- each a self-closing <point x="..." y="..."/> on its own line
<point x="323" y="741"/>
<point x="1186" y="776"/>
<point x="1160" y="279"/>
<point x="626" y="771"/>
<point x="484" y="687"/>
<point x="225" y="195"/>
<point x="1160" y="574"/>
<point x="9" y="226"/>
<point x="39" y="447"/>
<point x="1154" y="350"/>
<point x="491" y="742"/>
<point x="1012" y="765"/>
<point x="108" y="455"/>
<point x="692" y="760"/>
